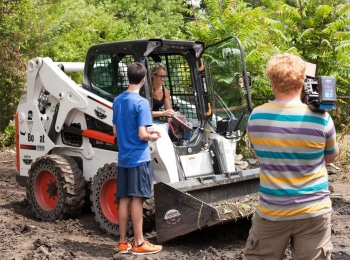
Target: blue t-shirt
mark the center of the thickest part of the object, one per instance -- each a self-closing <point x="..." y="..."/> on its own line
<point x="130" y="111"/>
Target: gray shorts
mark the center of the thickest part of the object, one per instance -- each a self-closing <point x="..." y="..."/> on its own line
<point x="309" y="238"/>
<point x="135" y="182"/>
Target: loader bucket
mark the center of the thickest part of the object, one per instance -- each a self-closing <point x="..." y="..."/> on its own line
<point x="193" y="204"/>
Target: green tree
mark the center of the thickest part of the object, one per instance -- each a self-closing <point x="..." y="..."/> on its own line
<point x="316" y="30"/>
<point x="64" y="30"/>
<point x="152" y="18"/>
<point x="13" y="36"/>
<point x="221" y="19"/>
<point x="319" y="32"/>
<point x="72" y="26"/>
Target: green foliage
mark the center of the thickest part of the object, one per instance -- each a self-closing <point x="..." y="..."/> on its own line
<point x="312" y="30"/>
<point x="64" y="30"/>
<point x="319" y="33"/>
<point x="13" y="24"/>
<point x="316" y="30"/>
<point x="152" y="18"/>
<point x="72" y="27"/>
<point x="8" y="137"/>
<point x="251" y="25"/>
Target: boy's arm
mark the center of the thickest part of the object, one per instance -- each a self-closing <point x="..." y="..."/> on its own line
<point x="146" y="135"/>
<point x="114" y="130"/>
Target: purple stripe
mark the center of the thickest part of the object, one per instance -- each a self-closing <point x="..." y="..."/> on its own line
<point x="293" y="168"/>
<point x="283" y="130"/>
<point x="298" y="200"/>
<point x="331" y="132"/>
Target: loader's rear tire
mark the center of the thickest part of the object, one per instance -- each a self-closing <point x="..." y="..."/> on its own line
<point x="103" y="198"/>
<point x="55" y="187"/>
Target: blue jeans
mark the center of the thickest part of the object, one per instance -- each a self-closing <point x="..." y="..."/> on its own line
<point x="187" y="134"/>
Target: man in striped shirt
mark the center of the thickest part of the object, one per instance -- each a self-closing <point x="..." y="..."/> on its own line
<point x="293" y="145"/>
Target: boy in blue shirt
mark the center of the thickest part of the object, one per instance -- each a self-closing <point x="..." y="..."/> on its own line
<point x="131" y="117"/>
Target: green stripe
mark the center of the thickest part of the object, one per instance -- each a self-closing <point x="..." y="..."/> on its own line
<point x="292" y="156"/>
<point x="292" y="192"/>
<point x="288" y="118"/>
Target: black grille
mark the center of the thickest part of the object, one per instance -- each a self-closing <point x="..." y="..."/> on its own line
<point x="70" y="138"/>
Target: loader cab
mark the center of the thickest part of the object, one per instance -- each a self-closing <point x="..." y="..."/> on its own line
<point x="106" y="66"/>
<point x="207" y="85"/>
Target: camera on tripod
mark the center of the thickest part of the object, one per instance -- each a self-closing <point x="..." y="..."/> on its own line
<point x="318" y="93"/>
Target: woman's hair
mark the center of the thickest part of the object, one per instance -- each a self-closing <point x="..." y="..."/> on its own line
<point x="158" y="66"/>
<point x="286" y="72"/>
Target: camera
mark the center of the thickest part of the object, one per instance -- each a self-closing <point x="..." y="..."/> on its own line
<point x="319" y="93"/>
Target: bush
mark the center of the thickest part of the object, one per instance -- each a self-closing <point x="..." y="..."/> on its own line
<point x="8" y="138"/>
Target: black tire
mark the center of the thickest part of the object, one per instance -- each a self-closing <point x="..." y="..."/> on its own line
<point x="55" y="187"/>
<point x="103" y="197"/>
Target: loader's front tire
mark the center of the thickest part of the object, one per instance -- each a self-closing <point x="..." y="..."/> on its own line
<point x="55" y="187"/>
<point x="103" y="198"/>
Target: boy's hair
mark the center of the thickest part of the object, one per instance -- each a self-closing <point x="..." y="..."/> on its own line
<point x="136" y="72"/>
<point x="286" y="72"/>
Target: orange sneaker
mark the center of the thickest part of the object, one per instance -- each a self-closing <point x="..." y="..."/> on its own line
<point x="146" y="248"/>
<point x="124" y="247"/>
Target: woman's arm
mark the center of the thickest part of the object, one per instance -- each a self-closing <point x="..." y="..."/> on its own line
<point x="167" y="105"/>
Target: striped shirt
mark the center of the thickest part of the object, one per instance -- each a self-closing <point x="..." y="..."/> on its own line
<point x="290" y="142"/>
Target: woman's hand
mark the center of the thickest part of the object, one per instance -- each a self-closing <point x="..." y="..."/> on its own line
<point x="168" y="112"/>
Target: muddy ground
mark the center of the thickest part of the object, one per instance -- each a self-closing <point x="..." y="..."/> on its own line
<point x="24" y="237"/>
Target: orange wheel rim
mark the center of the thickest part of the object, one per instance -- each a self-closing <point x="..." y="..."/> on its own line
<point x="46" y="190"/>
<point x="108" y="202"/>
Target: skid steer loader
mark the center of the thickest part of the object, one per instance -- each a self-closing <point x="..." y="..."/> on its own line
<point x="67" y="154"/>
